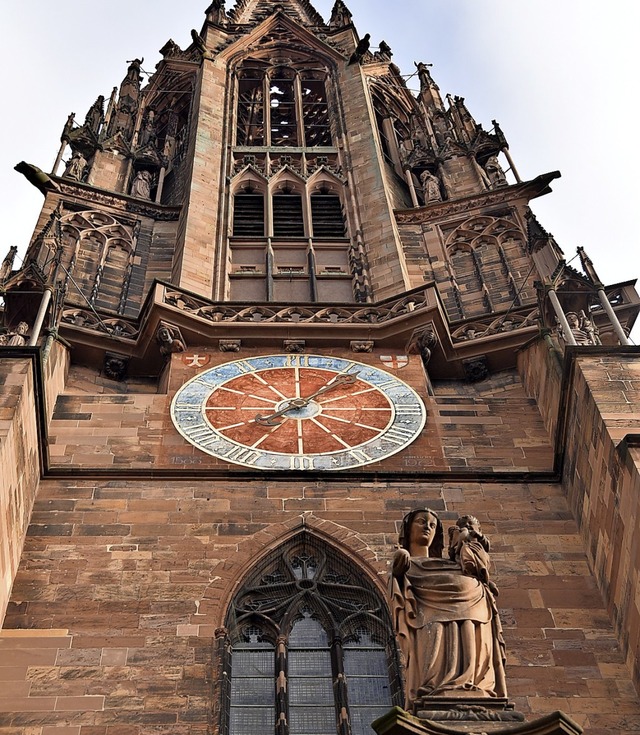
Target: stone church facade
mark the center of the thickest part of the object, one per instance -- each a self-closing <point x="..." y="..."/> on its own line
<point x="274" y="301"/>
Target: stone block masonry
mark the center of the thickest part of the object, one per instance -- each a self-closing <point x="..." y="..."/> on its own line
<point x="123" y="585"/>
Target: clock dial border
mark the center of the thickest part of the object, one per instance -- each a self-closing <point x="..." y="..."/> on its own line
<point x="188" y="413"/>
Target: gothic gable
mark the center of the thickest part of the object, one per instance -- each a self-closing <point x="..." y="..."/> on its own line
<point x="277" y="33"/>
<point x="253" y="12"/>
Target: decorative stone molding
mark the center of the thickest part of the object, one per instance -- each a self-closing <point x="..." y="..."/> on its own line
<point x="229" y="345"/>
<point x="294" y="346"/>
<point x="115" y="366"/>
<point x="476" y="369"/>
<point x="362" y="346"/>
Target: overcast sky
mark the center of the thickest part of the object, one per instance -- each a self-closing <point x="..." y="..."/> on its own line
<point x="558" y="75"/>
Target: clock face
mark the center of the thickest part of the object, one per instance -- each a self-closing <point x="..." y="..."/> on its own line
<point x="298" y="412"/>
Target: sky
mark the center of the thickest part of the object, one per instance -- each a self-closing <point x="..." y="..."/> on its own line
<point x="558" y="75"/>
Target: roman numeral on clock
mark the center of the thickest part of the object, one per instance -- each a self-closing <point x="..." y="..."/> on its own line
<point x="398" y="435"/>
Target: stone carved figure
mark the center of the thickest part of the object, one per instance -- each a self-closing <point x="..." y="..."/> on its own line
<point x="446" y="619"/>
<point x="75" y="167"/>
<point x="148" y="135"/>
<point x="495" y="174"/>
<point x="141" y="187"/>
<point x="430" y="187"/>
<point x="170" y="340"/>
<point x="385" y="50"/>
<point x="19" y="337"/>
<point x="3" y="340"/>
<point x="215" y="12"/>
<point x="581" y="327"/>
<point x="424" y="75"/>
<point x="470" y="548"/>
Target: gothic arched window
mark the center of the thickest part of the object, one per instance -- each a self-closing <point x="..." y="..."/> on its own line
<point x="296" y="111"/>
<point x="311" y="650"/>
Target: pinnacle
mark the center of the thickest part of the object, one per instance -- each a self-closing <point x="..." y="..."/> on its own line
<point x="250" y="12"/>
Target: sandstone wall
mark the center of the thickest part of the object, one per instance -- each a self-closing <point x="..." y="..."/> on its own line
<point x="493" y="426"/>
<point x="112" y="625"/>
<point x="602" y="477"/>
<point x="19" y="465"/>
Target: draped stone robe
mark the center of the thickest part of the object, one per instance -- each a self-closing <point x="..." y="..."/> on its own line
<point x="449" y="632"/>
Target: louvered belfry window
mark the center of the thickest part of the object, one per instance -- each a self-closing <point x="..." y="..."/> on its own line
<point x="248" y="215"/>
<point x="287" y="215"/>
<point x="312" y="651"/>
<point x="326" y="215"/>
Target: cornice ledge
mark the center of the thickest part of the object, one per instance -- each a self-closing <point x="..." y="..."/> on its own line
<point x="528" y="189"/>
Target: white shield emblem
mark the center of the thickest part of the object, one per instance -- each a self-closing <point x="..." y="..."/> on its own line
<point x="395" y="362"/>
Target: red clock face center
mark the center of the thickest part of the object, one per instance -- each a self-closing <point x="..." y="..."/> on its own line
<point x="298" y="411"/>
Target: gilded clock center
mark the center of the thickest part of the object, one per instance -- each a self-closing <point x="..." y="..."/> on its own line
<point x="310" y="410"/>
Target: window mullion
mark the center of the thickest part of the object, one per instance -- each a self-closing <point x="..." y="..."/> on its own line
<point x="340" y="687"/>
<point x="300" y="111"/>
<point x="268" y="112"/>
<point x="282" y="711"/>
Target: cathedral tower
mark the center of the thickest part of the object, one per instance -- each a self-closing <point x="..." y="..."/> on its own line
<point x="274" y="301"/>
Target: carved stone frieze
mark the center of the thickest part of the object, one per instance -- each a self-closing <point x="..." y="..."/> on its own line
<point x="121" y="202"/>
<point x="503" y="324"/>
<point x="503" y="195"/>
<point x="356" y="314"/>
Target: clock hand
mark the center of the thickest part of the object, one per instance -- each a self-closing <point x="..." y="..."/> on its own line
<point x="339" y="380"/>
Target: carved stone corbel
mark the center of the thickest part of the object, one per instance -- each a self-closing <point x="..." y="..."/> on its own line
<point x="170" y="339"/>
<point x="362" y="345"/>
<point x="294" y="346"/>
<point x="229" y="345"/>
<point x="476" y="369"/>
<point x="423" y="341"/>
<point x="115" y="366"/>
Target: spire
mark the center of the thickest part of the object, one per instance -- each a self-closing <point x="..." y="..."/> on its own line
<point x="252" y="12"/>
<point x="340" y="16"/>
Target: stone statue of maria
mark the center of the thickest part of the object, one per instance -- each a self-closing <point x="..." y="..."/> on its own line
<point x="445" y="613"/>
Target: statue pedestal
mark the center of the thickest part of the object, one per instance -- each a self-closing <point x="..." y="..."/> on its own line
<point x="477" y="718"/>
<point x="466" y="710"/>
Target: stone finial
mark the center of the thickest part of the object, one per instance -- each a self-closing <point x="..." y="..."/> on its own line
<point x="340" y="16"/>
<point x="216" y="13"/>
<point x="7" y="264"/>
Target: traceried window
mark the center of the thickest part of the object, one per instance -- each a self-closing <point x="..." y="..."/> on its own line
<point x="296" y="113"/>
<point x="312" y="651"/>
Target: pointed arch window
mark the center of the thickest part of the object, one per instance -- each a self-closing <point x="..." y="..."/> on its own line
<point x="312" y="650"/>
<point x="296" y="113"/>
